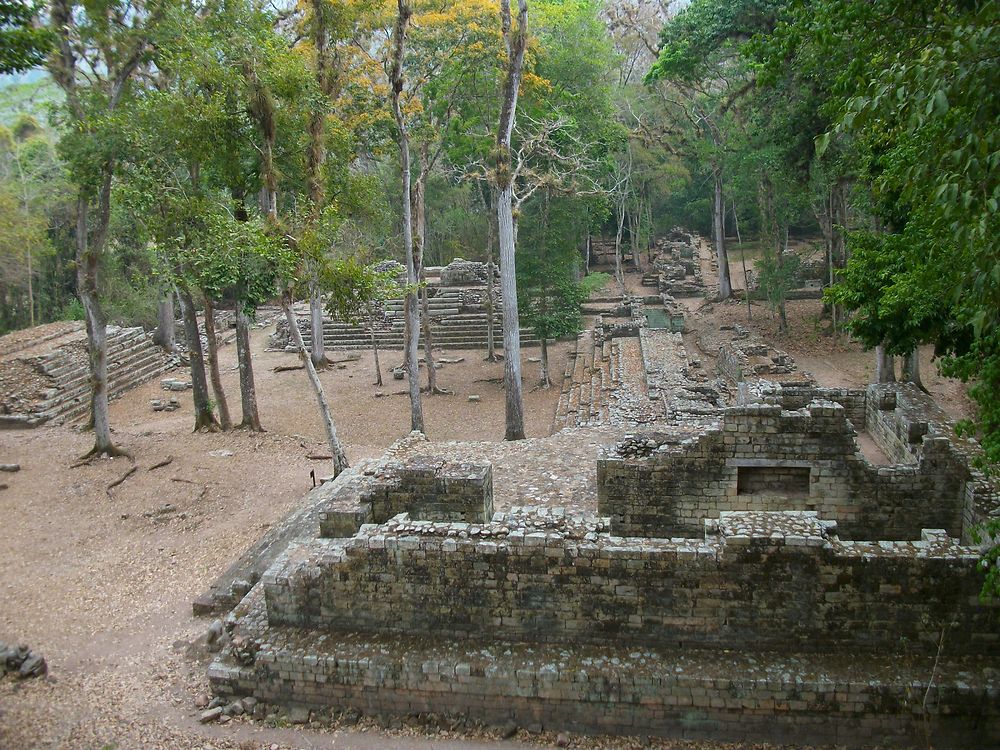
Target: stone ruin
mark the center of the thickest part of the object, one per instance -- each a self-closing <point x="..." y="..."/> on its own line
<point x="746" y="575"/>
<point x="457" y="301"/>
<point x="46" y="377"/>
<point x="743" y="569"/>
<point x="676" y="267"/>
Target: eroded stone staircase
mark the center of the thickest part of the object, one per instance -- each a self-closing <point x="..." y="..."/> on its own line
<point x="454" y="325"/>
<point x="133" y="359"/>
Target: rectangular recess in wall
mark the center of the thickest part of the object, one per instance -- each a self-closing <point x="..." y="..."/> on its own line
<point x="787" y="481"/>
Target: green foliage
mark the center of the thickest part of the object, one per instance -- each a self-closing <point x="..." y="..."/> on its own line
<point x="594" y="283"/>
<point x="549" y="294"/>
<point x="777" y="277"/>
<point x="22" y="45"/>
<point x="692" y="42"/>
<point x="355" y="291"/>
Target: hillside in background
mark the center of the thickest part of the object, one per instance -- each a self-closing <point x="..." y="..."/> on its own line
<point x="32" y="93"/>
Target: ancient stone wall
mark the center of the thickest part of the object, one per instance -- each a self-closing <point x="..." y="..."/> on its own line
<point x="679" y="484"/>
<point x="429" y="489"/>
<point x="778" y="580"/>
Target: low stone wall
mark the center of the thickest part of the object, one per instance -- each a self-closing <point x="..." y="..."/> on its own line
<point x="679" y="484"/>
<point x="429" y="489"/>
<point x="737" y="696"/>
<point x="544" y="619"/>
<point x="782" y="581"/>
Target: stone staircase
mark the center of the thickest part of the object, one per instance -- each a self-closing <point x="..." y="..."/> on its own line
<point x="592" y="372"/>
<point x="454" y="325"/>
<point x="133" y="359"/>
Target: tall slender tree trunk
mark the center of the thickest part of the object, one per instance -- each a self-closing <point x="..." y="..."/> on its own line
<point x="543" y="366"/>
<point x="719" y="231"/>
<point x="619" y="273"/>
<point x="87" y="255"/>
<point x="412" y="333"/>
<point x="491" y="353"/>
<point x="318" y="353"/>
<point x="515" y="41"/>
<point x="165" y="334"/>
<point x="911" y="369"/>
<point x="743" y="260"/>
<point x="782" y="307"/>
<point x="420" y="249"/>
<point x="213" y="366"/>
<point x="885" y="366"/>
<point x="336" y="449"/>
<point x="378" y="366"/>
<point x="248" y="388"/>
<point x="635" y="219"/>
<point x="31" y="291"/>
<point x="204" y="419"/>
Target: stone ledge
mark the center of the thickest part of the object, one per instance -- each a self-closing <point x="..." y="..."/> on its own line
<point x="610" y="689"/>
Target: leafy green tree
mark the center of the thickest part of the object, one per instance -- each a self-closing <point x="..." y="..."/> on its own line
<point x="23" y="43"/>
<point x="98" y="52"/>
<point x="358" y="293"/>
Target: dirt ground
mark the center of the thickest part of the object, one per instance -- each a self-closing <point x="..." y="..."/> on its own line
<point x="100" y="580"/>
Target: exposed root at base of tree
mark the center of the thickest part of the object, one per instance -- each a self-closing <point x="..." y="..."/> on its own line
<point x="244" y="425"/>
<point x="437" y="391"/>
<point x="110" y="451"/>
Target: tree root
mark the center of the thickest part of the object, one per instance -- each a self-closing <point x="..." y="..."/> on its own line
<point x="121" y="479"/>
<point x="437" y="391"/>
<point x="165" y="462"/>
<point x="111" y="451"/>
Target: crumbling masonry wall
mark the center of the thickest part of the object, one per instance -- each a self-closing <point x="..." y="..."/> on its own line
<point x="678" y="485"/>
<point x="430" y="489"/>
<point x="782" y="581"/>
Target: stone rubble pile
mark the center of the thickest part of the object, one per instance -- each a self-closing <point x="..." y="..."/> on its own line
<point x="21" y="661"/>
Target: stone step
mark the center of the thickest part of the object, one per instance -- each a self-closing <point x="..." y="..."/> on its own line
<point x="115" y="376"/>
<point x="124" y="361"/>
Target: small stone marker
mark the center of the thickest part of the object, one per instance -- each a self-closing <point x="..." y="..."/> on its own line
<point x="398" y="373"/>
<point x="211" y="714"/>
<point x="475" y="398"/>
<point x="10" y="468"/>
<point x="173" y="384"/>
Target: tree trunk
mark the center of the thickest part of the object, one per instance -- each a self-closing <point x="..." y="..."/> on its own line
<point x="515" y="43"/>
<point x="248" y="389"/>
<point x="420" y="248"/>
<point x="543" y="367"/>
<point x="782" y="309"/>
<point x="491" y="352"/>
<point x="165" y="334"/>
<point x="911" y="369"/>
<point x="619" y="274"/>
<point x="718" y="229"/>
<point x="204" y="419"/>
<point x="378" y="367"/>
<point x="87" y="256"/>
<point x="412" y="332"/>
<point x="213" y="367"/>
<point x="336" y="450"/>
<point x="885" y="366"/>
<point x="635" y="219"/>
<point x="31" y="291"/>
<point x="318" y="353"/>
<point x="743" y="259"/>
